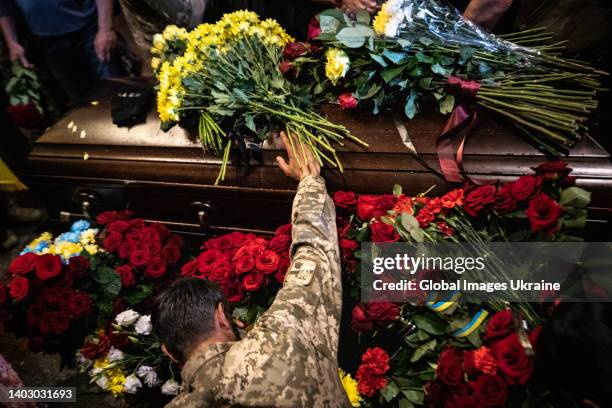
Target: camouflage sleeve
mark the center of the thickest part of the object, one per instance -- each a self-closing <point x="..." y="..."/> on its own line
<point x="310" y="301"/>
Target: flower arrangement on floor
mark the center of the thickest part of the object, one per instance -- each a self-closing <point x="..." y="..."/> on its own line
<point x="227" y="74"/>
<point x="415" y="49"/>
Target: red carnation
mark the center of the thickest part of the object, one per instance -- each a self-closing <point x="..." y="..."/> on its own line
<point x="504" y="199"/>
<point x="452" y="198"/>
<point x="371" y="373"/>
<point x="445" y="229"/>
<point x="425" y="217"/>
<point x="79" y="304"/>
<point x="403" y="205"/>
<point x="112" y="241"/>
<point x="543" y="213"/>
<point x="512" y="360"/>
<point x="500" y="325"/>
<point x="479" y="199"/>
<point x="126" y="274"/>
<point x="345" y="199"/>
<point x="23" y="264"/>
<point x="347" y="101"/>
<point x="490" y="390"/>
<point x="525" y="187"/>
<point x="267" y="262"/>
<point x="48" y="266"/>
<point x="95" y="348"/>
<point x="171" y="254"/>
<point x="252" y="281"/>
<point x="156" y="268"/>
<point x="382" y="232"/>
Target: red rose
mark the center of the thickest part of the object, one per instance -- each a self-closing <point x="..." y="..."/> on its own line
<point x="512" y="360"/>
<point x="110" y="216"/>
<point x="478" y="199"/>
<point x="55" y="323"/>
<point x="347" y="101"/>
<point x="449" y="369"/>
<point x="233" y="292"/>
<point x="267" y="262"/>
<point x="175" y="240"/>
<point x="79" y="304"/>
<point x="280" y="243"/>
<point x="436" y="394"/>
<point x="452" y="198"/>
<point x="543" y="213"/>
<point x="171" y="254"/>
<point x="282" y="269"/>
<point x="25" y="115"/>
<point x="360" y="322"/>
<point x="253" y="247"/>
<point x="137" y="223"/>
<point x="208" y="260"/>
<point x="156" y="268"/>
<point x="95" y="348"/>
<point x="425" y="217"/>
<point x="154" y="247"/>
<point x="34" y="314"/>
<point x="221" y="274"/>
<point x="162" y="231"/>
<point x="78" y="266"/>
<point x="348" y="248"/>
<point x="112" y="241"/>
<point x="382" y="311"/>
<point x="48" y="266"/>
<point x="126" y="274"/>
<point x="294" y="50"/>
<point x="525" y="187"/>
<point x="134" y="237"/>
<point x="314" y="28"/>
<point x="554" y="170"/>
<point x="287" y="69"/>
<point x="382" y="232"/>
<point x="244" y="264"/>
<point x="50" y="295"/>
<point x="126" y="249"/>
<point x="150" y="235"/>
<point x="504" y="199"/>
<point x="366" y="206"/>
<point x="119" y="226"/>
<point x="462" y="401"/>
<point x="283" y="230"/>
<point x="252" y="281"/>
<point x="345" y="199"/>
<point x="490" y="390"/>
<point x="500" y="325"/>
<point x="189" y="268"/>
<point x="140" y="257"/>
<point x="371" y="373"/>
<point x="3" y="295"/>
<point x="23" y="264"/>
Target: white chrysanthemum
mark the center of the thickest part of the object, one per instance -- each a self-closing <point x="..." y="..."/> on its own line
<point x="148" y="375"/>
<point x="392" y="27"/>
<point x="143" y="325"/>
<point x="408" y="14"/>
<point x="102" y="382"/>
<point x="114" y="354"/>
<point x="170" y="387"/>
<point x="127" y="318"/>
<point x="394" y="6"/>
<point x="132" y="384"/>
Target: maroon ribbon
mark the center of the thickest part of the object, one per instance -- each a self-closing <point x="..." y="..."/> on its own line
<point x="462" y="120"/>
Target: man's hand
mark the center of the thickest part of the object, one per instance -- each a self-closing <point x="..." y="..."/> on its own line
<point x="298" y="166"/>
<point x="104" y="43"/>
<point x="354" y="6"/>
<point x="17" y="53"/>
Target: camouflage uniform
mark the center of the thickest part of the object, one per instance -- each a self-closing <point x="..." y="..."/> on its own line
<point x="288" y="359"/>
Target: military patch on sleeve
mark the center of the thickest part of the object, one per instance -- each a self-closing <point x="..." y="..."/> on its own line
<point x="302" y="271"/>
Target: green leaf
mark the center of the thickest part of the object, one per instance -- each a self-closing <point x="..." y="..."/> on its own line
<point x="397" y="190"/>
<point x="140" y="293"/>
<point x="404" y="403"/>
<point x="394" y="56"/>
<point x="575" y="197"/>
<point x="103" y="274"/>
<point x="404" y="43"/>
<point x="390" y="391"/>
<point x="354" y="37"/>
<point x="250" y="123"/>
<point x="423" y="349"/>
<point x="329" y="20"/>
<point x="430" y="324"/>
<point x="390" y="73"/>
<point x="446" y="104"/>
<point x="440" y="70"/>
<point x="381" y="61"/>
<point x="410" y="109"/>
<point x="414" y="396"/>
<point x="408" y="221"/>
<point x="363" y="17"/>
<point x="423" y="58"/>
<point x="417" y="234"/>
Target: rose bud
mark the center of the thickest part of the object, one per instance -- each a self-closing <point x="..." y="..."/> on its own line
<point x="347" y="101"/>
<point x="287" y="68"/>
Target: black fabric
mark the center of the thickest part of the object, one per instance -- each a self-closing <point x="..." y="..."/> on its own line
<point x="130" y="105"/>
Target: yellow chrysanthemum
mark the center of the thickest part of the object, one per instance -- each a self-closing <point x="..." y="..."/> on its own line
<point x="88" y="236"/>
<point x="101" y="362"/>
<point x="380" y="21"/>
<point x="350" y="387"/>
<point x="337" y="64"/>
<point x="91" y="249"/>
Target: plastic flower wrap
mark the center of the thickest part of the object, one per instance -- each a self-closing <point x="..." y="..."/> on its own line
<point x="228" y="75"/>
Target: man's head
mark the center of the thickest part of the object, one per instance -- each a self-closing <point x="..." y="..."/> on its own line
<point x="191" y="312"/>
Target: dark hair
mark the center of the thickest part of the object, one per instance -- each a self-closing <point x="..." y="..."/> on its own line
<point x="184" y="314"/>
<point x="574" y="354"/>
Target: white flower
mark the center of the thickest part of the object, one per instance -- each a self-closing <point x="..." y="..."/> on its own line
<point x="143" y="325"/>
<point x="102" y="382"/>
<point x="84" y="362"/>
<point x="148" y="375"/>
<point x="408" y="14"/>
<point x="393" y="25"/>
<point x="95" y="371"/>
<point x="394" y="6"/>
<point x="127" y="318"/>
<point x="170" y="387"/>
<point x="114" y="354"/>
<point x="132" y="384"/>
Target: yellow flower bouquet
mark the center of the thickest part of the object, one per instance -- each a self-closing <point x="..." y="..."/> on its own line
<point x="227" y="75"/>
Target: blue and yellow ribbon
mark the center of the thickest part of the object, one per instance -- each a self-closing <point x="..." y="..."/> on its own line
<point x="443" y="304"/>
<point x="475" y="323"/>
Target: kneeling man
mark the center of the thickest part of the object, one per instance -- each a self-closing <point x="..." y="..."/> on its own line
<point x="289" y="358"/>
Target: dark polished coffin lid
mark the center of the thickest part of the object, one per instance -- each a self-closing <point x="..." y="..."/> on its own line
<point x="165" y="176"/>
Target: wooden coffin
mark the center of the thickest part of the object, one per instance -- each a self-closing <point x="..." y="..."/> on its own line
<point x="167" y="177"/>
